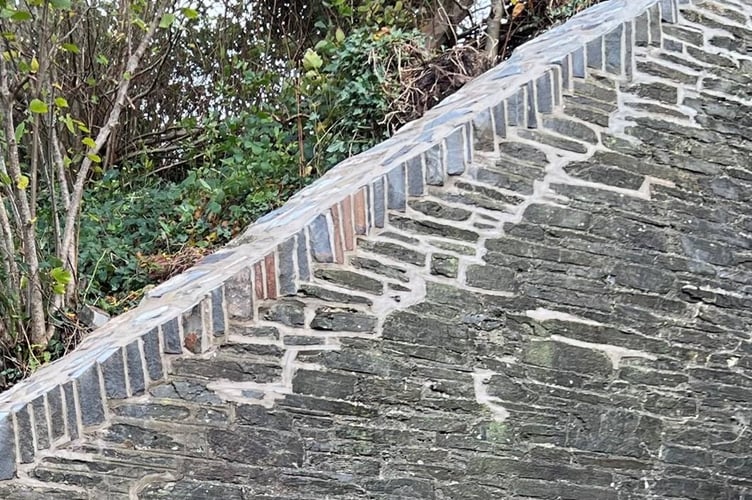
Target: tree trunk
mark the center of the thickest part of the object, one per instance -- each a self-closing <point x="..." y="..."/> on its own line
<point x="446" y="15"/>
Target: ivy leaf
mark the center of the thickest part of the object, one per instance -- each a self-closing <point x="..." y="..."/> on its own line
<point x="190" y="13"/>
<point x="95" y="158"/>
<point x="34" y="65"/>
<point x="88" y="141"/>
<point x="20" y="130"/>
<point x="339" y="35"/>
<point x="21" y="15"/>
<point x="71" y="47"/>
<point x="23" y="182"/>
<point x="61" y="4"/>
<point x="167" y="20"/>
<point x="61" y="275"/>
<point x="37" y="106"/>
<point x="61" y="102"/>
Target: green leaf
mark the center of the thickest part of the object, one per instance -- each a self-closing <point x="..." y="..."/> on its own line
<point x="102" y="59"/>
<point x="190" y="13"/>
<point x="20" y="16"/>
<point x="58" y="289"/>
<point x="37" y="106"/>
<point x="68" y="120"/>
<point x="61" y="102"/>
<point x="140" y="23"/>
<point x="167" y="20"/>
<point x="61" y="275"/>
<point x="71" y="47"/>
<point x="88" y="141"/>
<point x="61" y="4"/>
<point x="20" y="130"/>
<point x="311" y="60"/>
<point x="339" y="35"/>
<point x="95" y="158"/>
<point x="4" y="179"/>
<point x="34" y="65"/>
<point x="23" y="182"/>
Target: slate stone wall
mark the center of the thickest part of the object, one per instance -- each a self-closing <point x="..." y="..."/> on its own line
<point x="276" y="255"/>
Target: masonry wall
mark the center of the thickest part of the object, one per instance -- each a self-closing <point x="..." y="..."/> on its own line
<point x="275" y="256"/>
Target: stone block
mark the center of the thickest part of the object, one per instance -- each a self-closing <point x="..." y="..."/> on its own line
<point x="153" y="355"/>
<point x="516" y="105"/>
<point x="656" y="34"/>
<point x="320" y="239"/>
<point x="483" y="131"/>
<point x="578" y="63"/>
<point x="531" y="106"/>
<point x="415" y="176"/>
<point x="336" y="234"/>
<point x="41" y="429"/>
<point x="171" y="341"/>
<point x="193" y="330"/>
<point x="434" y="160"/>
<point x="614" y="53"/>
<point x="544" y="93"/>
<point x="57" y="417"/>
<point x="396" y="191"/>
<point x="669" y="11"/>
<point x="135" y="367"/>
<point x="7" y="447"/>
<point x="270" y="268"/>
<point x="444" y="265"/>
<point x="289" y="312"/>
<point x="304" y="269"/>
<point x="490" y="278"/>
<point x="595" y="53"/>
<point x="89" y="389"/>
<point x="25" y="435"/>
<point x="238" y="294"/>
<point x="455" y="152"/>
<point x="343" y="320"/>
<point x="500" y="120"/>
<point x="286" y="252"/>
<point x="348" y="227"/>
<point x="378" y="202"/>
<point x="71" y="413"/>
<point x="361" y="216"/>
<point x="217" y="312"/>
<point x="642" y="29"/>
<point x="113" y="370"/>
<point x="629" y="62"/>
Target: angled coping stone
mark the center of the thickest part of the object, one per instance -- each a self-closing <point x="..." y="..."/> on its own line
<point x="287" y="272"/>
<point x="89" y="392"/>
<point x="483" y="131"/>
<point x="595" y="53"/>
<point x="153" y="355"/>
<point x="71" y="413"/>
<point x="218" y="311"/>
<point x="532" y="106"/>
<point x="545" y="93"/>
<point x="320" y="237"/>
<point x="415" y="179"/>
<point x="172" y="343"/>
<point x="500" y="120"/>
<point x="135" y="365"/>
<point x="113" y="369"/>
<point x="25" y="435"/>
<point x="578" y="63"/>
<point x="41" y="429"/>
<point x="434" y="158"/>
<point x="614" y="52"/>
<point x="304" y="271"/>
<point x="378" y="204"/>
<point x="669" y="11"/>
<point x="56" y="411"/>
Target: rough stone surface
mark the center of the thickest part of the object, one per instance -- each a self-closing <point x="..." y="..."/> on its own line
<point x="567" y="319"/>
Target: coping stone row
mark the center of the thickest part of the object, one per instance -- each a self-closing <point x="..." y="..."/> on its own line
<point x="190" y="312"/>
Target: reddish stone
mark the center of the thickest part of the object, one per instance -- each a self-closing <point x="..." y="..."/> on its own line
<point x="347" y="224"/>
<point x="258" y="280"/>
<point x="339" y="256"/>
<point x="271" y="276"/>
<point x="360" y="211"/>
<point x="192" y="342"/>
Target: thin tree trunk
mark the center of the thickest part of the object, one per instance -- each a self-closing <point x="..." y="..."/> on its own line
<point x="493" y="31"/>
<point x="446" y="15"/>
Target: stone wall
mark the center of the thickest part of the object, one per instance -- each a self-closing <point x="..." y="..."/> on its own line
<point x="318" y="225"/>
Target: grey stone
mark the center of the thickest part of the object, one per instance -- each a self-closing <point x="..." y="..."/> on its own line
<point x="57" y="418"/>
<point x="435" y="161"/>
<point x="89" y="388"/>
<point x="656" y="35"/>
<point x="113" y="369"/>
<point x="193" y="330"/>
<point x="544" y="93"/>
<point x="289" y="312"/>
<point x="440" y="211"/>
<point x="350" y="280"/>
<point x="375" y="266"/>
<point x="172" y="343"/>
<point x="286" y="263"/>
<point x="71" y="418"/>
<point x="578" y="63"/>
<point x="343" y="320"/>
<point x="500" y="120"/>
<point x="152" y="355"/>
<point x="304" y="272"/>
<point x="320" y="238"/>
<point x="378" y="206"/>
<point x="516" y="106"/>
<point x="483" y="131"/>
<point x="415" y="176"/>
<point x="41" y="429"/>
<point x="217" y="312"/>
<point x="135" y="368"/>
<point x="531" y="106"/>
<point x="669" y="11"/>
<point x="613" y="47"/>
<point x="455" y="152"/>
<point x="396" y="188"/>
<point x="595" y="53"/>
<point x="490" y="278"/>
<point x="642" y="29"/>
<point x="444" y="265"/>
<point x="24" y="435"/>
<point x="394" y="251"/>
<point x="432" y="228"/>
<point x="321" y="293"/>
<point x="7" y="447"/>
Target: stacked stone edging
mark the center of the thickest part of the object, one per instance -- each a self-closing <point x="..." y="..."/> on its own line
<point x="319" y="224"/>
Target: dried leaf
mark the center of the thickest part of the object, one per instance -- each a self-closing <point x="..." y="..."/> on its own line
<point x="518" y="10"/>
